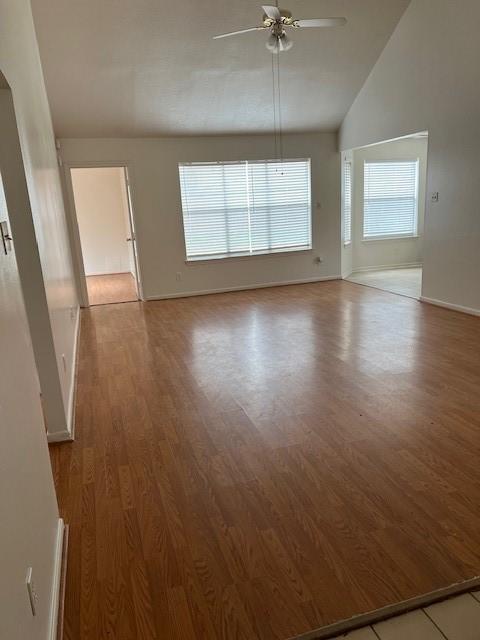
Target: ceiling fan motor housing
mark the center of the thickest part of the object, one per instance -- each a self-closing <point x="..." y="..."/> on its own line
<point x="277" y="28"/>
<point x="286" y="19"/>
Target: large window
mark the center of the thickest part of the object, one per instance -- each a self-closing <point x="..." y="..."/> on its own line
<point x="390" y="199"/>
<point x="245" y="208"/>
<point x="347" y="202"/>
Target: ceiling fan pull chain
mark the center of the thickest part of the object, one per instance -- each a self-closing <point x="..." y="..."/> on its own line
<point x="277" y="22"/>
<point x="274" y="101"/>
<point x="280" y="134"/>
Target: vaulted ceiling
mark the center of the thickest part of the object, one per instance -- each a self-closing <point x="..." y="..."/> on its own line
<point x="151" y="68"/>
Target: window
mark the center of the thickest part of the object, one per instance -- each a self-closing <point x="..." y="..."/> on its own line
<point x="245" y="208"/>
<point x="390" y="202"/>
<point x="347" y="202"/>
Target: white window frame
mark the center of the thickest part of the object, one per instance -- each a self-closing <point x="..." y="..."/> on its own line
<point x="347" y="242"/>
<point x="252" y="253"/>
<point x="393" y="236"/>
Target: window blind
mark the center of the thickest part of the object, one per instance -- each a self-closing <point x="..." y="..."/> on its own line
<point x="245" y="208"/>
<point x="347" y="202"/>
<point x="390" y="199"/>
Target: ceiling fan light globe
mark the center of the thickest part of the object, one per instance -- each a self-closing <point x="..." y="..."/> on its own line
<point x="272" y="44"/>
<point x="285" y="43"/>
<point x="278" y="44"/>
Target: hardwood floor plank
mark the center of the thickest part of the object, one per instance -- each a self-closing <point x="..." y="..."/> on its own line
<point x="89" y="588"/>
<point x="180" y="615"/>
<point x="116" y="610"/>
<point x="142" y="600"/>
<point x="259" y="464"/>
<point x="74" y="620"/>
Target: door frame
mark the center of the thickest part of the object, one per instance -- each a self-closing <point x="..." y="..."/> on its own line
<point x="74" y="230"/>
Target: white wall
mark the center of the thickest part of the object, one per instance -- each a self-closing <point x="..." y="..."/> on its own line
<point x="392" y="252"/>
<point x="102" y="216"/>
<point x="428" y="78"/>
<point x="155" y="186"/>
<point x="28" y="509"/>
<point x="42" y="244"/>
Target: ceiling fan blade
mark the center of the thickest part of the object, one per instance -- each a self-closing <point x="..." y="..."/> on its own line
<point x="272" y="12"/>
<point x="321" y="22"/>
<point x="236" y="33"/>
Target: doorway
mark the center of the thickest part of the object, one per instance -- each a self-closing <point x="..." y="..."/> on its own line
<point x="384" y="200"/>
<point x="107" y="246"/>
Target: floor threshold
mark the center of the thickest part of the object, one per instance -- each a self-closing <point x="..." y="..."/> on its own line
<point x="365" y="620"/>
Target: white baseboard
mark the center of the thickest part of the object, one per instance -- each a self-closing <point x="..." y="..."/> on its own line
<point x="57" y="572"/>
<point x="73" y="379"/>
<point x="452" y="307"/>
<point x="249" y="287"/>
<point x="382" y="267"/>
<point x="68" y="434"/>
<point x="59" y="436"/>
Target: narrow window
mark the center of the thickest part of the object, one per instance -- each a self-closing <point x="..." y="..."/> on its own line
<point x="347" y="202"/>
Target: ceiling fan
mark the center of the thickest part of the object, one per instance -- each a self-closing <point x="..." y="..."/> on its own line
<point x="276" y="20"/>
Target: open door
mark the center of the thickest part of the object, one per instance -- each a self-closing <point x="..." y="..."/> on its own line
<point x="132" y="239"/>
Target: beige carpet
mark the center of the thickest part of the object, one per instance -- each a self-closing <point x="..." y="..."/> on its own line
<point x="406" y="282"/>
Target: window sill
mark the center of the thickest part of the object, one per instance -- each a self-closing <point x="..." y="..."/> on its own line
<point x="247" y="256"/>
<point x="383" y="238"/>
<point x="347" y="244"/>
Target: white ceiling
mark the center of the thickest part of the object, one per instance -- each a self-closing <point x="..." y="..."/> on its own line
<point x="150" y="67"/>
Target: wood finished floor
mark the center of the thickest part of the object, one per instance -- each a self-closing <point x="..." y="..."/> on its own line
<point x="111" y="288"/>
<point x="258" y="464"/>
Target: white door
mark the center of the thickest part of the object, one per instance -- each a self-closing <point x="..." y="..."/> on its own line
<point x="28" y="508"/>
<point x="131" y="239"/>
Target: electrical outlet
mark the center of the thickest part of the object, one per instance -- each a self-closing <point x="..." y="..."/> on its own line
<point x="32" y="593"/>
<point x="178" y="276"/>
<point x="435" y="196"/>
